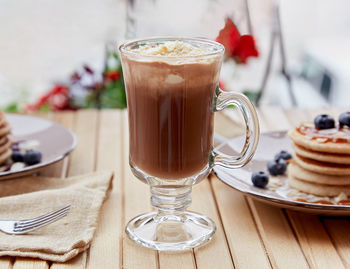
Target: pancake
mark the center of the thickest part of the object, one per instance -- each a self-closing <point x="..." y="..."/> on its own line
<point x="322" y="167"/>
<point x="2" y="118"/>
<point x="3" y="140"/>
<point x="5" y="156"/>
<point x="300" y="173"/>
<point x="317" y="189"/>
<point x="318" y="145"/>
<point x="5" y="146"/>
<point x="5" y="129"/>
<point x="321" y="156"/>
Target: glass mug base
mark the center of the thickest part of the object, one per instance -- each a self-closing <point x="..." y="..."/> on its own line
<point x="170" y="232"/>
<point x="171" y="228"/>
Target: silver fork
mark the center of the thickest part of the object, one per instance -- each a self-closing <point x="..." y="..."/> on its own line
<point x="24" y="226"/>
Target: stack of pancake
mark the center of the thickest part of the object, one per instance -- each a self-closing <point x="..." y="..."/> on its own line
<point x="5" y="140"/>
<point x="321" y="165"/>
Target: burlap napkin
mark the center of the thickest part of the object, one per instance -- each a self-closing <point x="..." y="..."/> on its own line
<point x="60" y="241"/>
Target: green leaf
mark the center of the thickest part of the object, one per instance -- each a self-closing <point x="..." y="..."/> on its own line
<point x="113" y="95"/>
<point x="252" y="95"/>
<point x="45" y="108"/>
<point x="12" y="108"/>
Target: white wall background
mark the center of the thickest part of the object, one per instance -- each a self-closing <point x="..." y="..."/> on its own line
<point x="44" y="41"/>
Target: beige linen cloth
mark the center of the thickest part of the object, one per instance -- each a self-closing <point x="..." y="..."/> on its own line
<point x="29" y="197"/>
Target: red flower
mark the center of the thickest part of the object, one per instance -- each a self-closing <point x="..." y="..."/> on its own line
<point x="238" y="47"/>
<point x="229" y="37"/>
<point x="246" y="48"/>
<point x="56" y="99"/>
<point x="112" y="75"/>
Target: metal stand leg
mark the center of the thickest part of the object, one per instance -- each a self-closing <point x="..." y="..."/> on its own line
<point x="277" y="34"/>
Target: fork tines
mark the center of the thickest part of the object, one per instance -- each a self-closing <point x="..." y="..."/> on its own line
<point x="31" y="224"/>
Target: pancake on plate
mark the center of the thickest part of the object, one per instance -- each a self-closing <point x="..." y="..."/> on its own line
<point x="321" y="163"/>
<point x="5" y="139"/>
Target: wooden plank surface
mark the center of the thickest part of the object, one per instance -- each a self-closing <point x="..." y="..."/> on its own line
<point x="250" y="234"/>
<point x="27" y="263"/>
<point x="282" y="246"/>
<point x="106" y="246"/>
<point x="317" y="246"/>
<point x="245" y="244"/>
<point x="5" y="262"/>
<point x="203" y="201"/>
<point x="338" y="230"/>
<point x="82" y="161"/>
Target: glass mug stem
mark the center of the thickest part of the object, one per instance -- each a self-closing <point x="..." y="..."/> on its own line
<point x="171" y="200"/>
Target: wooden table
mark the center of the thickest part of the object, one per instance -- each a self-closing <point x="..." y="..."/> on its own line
<point x="250" y="234"/>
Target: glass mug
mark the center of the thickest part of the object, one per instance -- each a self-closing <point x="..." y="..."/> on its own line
<point x="171" y="104"/>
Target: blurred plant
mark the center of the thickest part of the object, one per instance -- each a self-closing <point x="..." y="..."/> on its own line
<point x="55" y="99"/>
<point x="12" y="108"/>
<point x="14" y="100"/>
<point x="252" y="95"/>
<point x="113" y="94"/>
<point x="87" y="88"/>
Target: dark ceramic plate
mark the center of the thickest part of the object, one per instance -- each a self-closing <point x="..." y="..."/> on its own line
<point x="55" y="141"/>
<point x="278" y="192"/>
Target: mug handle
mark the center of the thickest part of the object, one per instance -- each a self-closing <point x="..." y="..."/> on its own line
<point x="222" y="100"/>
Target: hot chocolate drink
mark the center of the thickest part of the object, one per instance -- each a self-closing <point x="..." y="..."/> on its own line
<point x="170" y="104"/>
<point x="172" y="94"/>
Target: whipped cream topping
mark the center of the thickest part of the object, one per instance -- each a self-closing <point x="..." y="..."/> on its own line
<point x="169" y="48"/>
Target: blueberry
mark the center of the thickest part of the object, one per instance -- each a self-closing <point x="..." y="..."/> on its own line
<point x="260" y="179"/>
<point x="344" y="119"/>
<point x="17" y="156"/>
<point x="285" y="155"/>
<point x="32" y="157"/>
<point x="277" y="167"/>
<point x="324" y="121"/>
